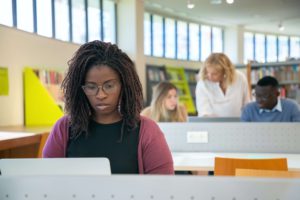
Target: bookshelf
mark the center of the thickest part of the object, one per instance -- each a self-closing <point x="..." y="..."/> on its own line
<point x="155" y="74"/>
<point x="42" y="97"/>
<point x="287" y="74"/>
<point x="191" y="77"/>
<point x="177" y="76"/>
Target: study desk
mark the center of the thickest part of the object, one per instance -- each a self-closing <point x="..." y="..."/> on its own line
<point x="204" y="161"/>
<point x="21" y="142"/>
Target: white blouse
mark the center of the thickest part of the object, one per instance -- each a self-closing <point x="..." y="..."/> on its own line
<point x="211" y="101"/>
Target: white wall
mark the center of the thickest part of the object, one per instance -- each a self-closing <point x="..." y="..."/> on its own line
<point x="19" y="49"/>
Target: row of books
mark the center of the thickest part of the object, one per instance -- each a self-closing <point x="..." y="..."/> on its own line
<point x="156" y="75"/>
<point x="191" y="77"/>
<point x="282" y="74"/>
<point x="174" y="76"/>
<point x="49" y="76"/>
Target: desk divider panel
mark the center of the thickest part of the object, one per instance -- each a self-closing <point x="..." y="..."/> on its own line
<point x="139" y="187"/>
<point x="234" y="137"/>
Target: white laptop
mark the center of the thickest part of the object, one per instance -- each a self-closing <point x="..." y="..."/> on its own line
<point x="55" y="166"/>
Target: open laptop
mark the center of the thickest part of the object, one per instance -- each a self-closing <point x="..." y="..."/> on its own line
<point x="55" y="166"/>
<point x="213" y="119"/>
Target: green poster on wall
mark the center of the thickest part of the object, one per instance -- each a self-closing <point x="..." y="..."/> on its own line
<point x="3" y="81"/>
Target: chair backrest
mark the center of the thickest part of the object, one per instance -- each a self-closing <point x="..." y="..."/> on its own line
<point x="267" y="173"/>
<point x="55" y="166"/>
<point x="43" y="140"/>
<point x="227" y="166"/>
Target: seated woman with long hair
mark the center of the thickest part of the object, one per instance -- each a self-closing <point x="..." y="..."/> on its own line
<point x="164" y="105"/>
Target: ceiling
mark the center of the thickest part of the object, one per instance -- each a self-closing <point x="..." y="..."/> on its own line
<point x="254" y="15"/>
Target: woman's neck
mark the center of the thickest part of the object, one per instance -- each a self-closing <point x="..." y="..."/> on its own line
<point x="107" y="119"/>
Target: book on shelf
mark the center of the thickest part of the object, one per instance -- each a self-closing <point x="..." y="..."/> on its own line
<point x="52" y="79"/>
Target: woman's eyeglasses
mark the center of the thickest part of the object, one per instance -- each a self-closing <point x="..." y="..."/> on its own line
<point x="109" y="87"/>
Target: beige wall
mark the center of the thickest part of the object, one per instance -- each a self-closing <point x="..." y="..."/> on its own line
<point x="19" y="49"/>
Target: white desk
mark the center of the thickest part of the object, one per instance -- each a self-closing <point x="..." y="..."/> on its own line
<point x="193" y="161"/>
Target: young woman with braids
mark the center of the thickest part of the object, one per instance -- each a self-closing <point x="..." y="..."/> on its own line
<point x="103" y="100"/>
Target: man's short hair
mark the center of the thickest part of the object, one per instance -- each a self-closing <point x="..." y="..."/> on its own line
<point x="268" y="81"/>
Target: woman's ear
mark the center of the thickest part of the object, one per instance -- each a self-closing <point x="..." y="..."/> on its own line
<point x="278" y="92"/>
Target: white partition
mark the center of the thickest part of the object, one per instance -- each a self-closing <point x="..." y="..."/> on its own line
<point x="138" y="187"/>
<point x="55" y="166"/>
<point x="233" y="137"/>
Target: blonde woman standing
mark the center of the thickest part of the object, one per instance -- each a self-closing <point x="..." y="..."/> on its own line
<point x="164" y="105"/>
<point x="222" y="91"/>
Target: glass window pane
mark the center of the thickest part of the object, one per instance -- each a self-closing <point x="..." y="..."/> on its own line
<point x="25" y="15"/>
<point x="109" y="25"/>
<point x="260" y="48"/>
<point x="295" y="47"/>
<point x="217" y="39"/>
<point x="283" y="48"/>
<point x="94" y="20"/>
<point x="182" y="40"/>
<point x="62" y="22"/>
<point x="6" y="12"/>
<point x="170" y="38"/>
<point x="157" y="36"/>
<point x="78" y="20"/>
<point x="44" y="17"/>
<point x="271" y="48"/>
<point x="248" y="47"/>
<point x="205" y="42"/>
<point x="194" y="46"/>
<point x="147" y="34"/>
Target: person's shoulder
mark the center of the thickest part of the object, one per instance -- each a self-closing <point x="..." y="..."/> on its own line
<point x="147" y="122"/>
<point x="251" y="106"/>
<point x="289" y="102"/>
<point x="64" y="121"/>
<point x="240" y="75"/>
<point x="146" y="111"/>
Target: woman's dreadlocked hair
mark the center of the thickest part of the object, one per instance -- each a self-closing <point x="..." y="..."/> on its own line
<point x="76" y="103"/>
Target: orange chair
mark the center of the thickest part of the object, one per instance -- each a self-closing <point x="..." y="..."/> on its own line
<point x="227" y="166"/>
<point x="43" y="140"/>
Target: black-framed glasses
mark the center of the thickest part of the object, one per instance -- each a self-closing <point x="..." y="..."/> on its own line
<point x="262" y="97"/>
<point x="109" y="87"/>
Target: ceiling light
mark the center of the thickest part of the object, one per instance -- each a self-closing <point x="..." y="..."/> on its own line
<point x="190" y="4"/>
<point x="230" y="1"/>
<point x="280" y="26"/>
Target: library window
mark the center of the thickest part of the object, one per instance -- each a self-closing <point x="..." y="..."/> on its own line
<point x="283" y="48"/>
<point x="6" y="16"/>
<point x="25" y="15"/>
<point x="248" y="47"/>
<point x="260" y="48"/>
<point x="94" y="20"/>
<point x="194" y="42"/>
<point x="78" y="21"/>
<point x="44" y="17"/>
<point x="205" y="41"/>
<point x="62" y="25"/>
<point x="109" y="25"/>
<point x="147" y="34"/>
<point x="271" y="48"/>
<point x="217" y="40"/>
<point x="181" y="40"/>
<point x="170" y="38"/>
<point x="295" y="47"/>
<point x="157" y="36"/>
